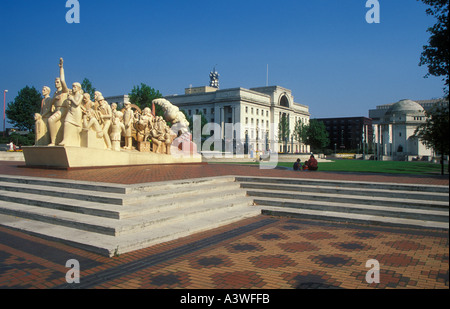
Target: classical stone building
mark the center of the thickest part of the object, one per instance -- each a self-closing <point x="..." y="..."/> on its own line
<point x="377" y="114"/>
<point x="255" y="114"/>
<point x="119" y="99"/>
<point x="394" y="126"/>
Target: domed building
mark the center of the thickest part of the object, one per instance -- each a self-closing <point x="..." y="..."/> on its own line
<point x="395" y="132"/>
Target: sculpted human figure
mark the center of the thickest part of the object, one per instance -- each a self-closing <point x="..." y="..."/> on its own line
<point x="161" y="134"/>
<point x="128" y="119"/>
<point x="46" y="104"/>
<point x="42" y="134"/>
<point x="113" y="108"/>
<point x="73" y="119"/>
<point x="60" y="105"/>
<point x="117" y="127"/>
<point x="145" y="123"/>
<point x="90" y="117"/>
<point x="105" y="114"/>
<point x="86" y="104"/>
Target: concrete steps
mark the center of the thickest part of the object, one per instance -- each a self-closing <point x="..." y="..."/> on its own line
<point x="363" y="202"/>
<point x="113" y="219"/>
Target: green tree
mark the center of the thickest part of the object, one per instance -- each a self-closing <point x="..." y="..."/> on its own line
<point x="436" y="54"/>
<point x="143" y="96"/>
<point x="317" y="135"/>
<point x="21" y="111"/>
<point x="283" y="132"/>
<point x="434" y="132"/>
<point x="300" y="132"/>
<point x="87" y="87"/>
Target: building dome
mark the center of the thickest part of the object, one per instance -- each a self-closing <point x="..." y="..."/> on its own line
<point x="406" y="107"/>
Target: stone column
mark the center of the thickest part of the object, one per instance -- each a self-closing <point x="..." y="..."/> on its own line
<point x="222" y="122"/>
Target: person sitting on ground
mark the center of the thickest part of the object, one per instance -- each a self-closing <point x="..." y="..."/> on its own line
<point x="305" y="165"/>
<point x="312" y="163"/>
<point x="297" y="165"/>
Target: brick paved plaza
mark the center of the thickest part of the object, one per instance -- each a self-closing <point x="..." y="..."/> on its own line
<point x="262" y="252"/>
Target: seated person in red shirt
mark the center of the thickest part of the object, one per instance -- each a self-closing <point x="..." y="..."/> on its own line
<point x="312" y="163"/>
<point x="305" y="165"/>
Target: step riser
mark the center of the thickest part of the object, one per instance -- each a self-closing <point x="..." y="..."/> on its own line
<point x="187" y="191"/>
<point x="362" y="185"/>
<point x="59" y="221"/>
<point x="344" y="210"/>
<point x="71" y="206"/>
<point x="391" y="194"/>
<point x="57" y="184"/>
<point x="347" y="199"/>
<point x="369" y="222"/>
<point x="174" y="204"/>
<point x="197" y="213"/>
<point x="67" y="195"/>
<point x="64" y="207"/>
<point x="125" y="201"/>
<point x="180" y="185"/>
<point x="199" y="207"/>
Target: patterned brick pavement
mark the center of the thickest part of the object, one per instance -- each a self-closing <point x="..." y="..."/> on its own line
<point x="150" y="173"/>
<point x="258" y="253"/>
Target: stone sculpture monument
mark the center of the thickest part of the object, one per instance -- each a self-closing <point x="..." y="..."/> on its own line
<point x="72" y="130"/>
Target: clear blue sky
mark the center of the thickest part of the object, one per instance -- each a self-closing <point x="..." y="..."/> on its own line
<point x="323" y="50"/>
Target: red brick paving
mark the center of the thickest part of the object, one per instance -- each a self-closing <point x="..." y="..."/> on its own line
<point x="284" y="254"/>
<point x="151" y="173"/>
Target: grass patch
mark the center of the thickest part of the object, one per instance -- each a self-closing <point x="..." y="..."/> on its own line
<point x="390" y="167"/>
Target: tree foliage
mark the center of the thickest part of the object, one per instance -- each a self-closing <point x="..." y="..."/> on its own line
<point x="87" y="87"/>
<point x="434" y="132"/>
<point x="143" y="96"/>
<point x="300" y="132"/>
<point x="436" y="54"/>
<point x="283" y="131"/>
<point x="316" y="135"/>
<point x="21" y="111"/>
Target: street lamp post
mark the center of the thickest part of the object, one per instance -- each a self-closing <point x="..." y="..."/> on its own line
<point x="4" y="111"/>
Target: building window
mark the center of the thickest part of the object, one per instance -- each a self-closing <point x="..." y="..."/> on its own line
<point x="252" y="110"/>
<point x="189" y="112"/>
<point x="284" y="101"/>
<point x="246" y="120"/>
<point x="246" y="109"/>
<point x="212" y="111"/>
<point x="267" y="113"/>
<point x="204" y="111"/>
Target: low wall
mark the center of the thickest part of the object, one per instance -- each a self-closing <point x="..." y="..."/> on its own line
<point x="11" y="156"/>
<point x="69" y="157"/>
